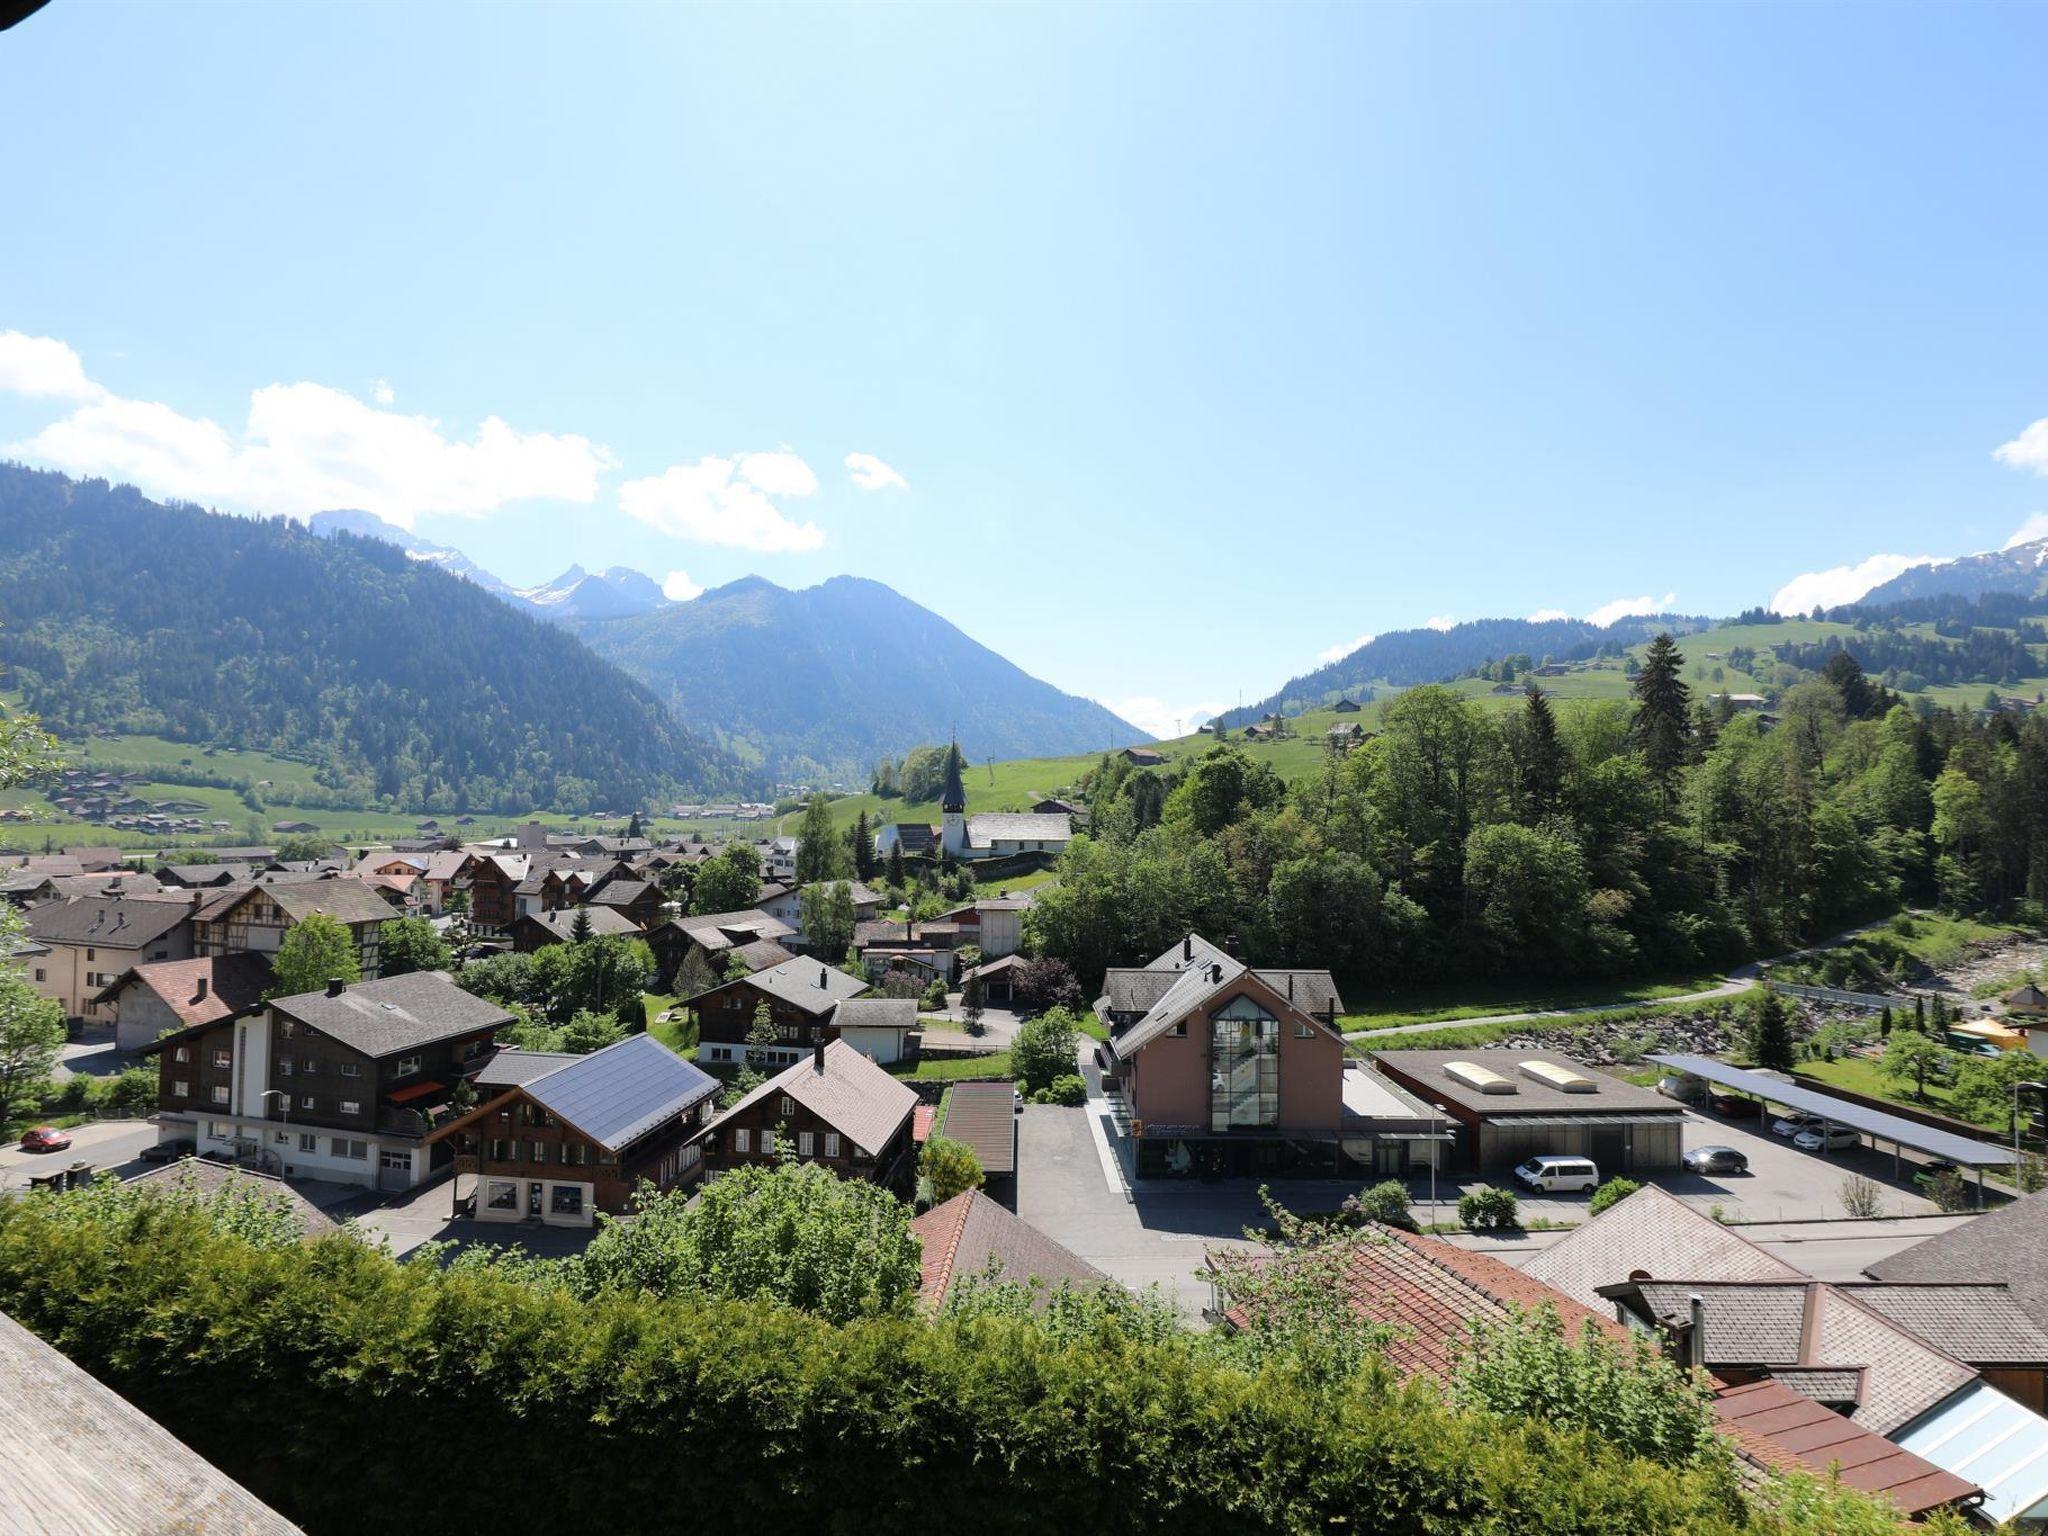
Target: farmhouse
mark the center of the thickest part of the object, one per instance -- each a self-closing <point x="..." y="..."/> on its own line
<point x="833" y="1106"/>
<point x="800" y="995"/>
<point x="146" y="1000"/>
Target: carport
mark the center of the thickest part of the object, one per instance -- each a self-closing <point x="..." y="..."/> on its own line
<point x="1880" y="1127"/>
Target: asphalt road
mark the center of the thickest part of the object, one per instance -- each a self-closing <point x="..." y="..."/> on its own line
<point x="113" y="1146"/>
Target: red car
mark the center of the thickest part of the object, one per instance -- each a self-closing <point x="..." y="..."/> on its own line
<point x="44" y="1138"/>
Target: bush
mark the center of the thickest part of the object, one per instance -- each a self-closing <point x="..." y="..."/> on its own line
<point x="1860" y="1197"/>
<point x="1610" y="1193"/>
<point x="1067" y="1090"/>
<point x="313" y="1372"/>
<point x="1487" y="1210"/>
<point x="934" y="997"/>
<point x="1044" y="1048"/>
<point x="1386" y="1203"/>
<point x="946" y="1168"/>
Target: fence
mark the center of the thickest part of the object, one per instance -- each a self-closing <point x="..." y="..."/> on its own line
<point x="1871" y="1000"/>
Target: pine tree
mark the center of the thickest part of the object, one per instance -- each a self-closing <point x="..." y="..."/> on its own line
<point x="896" y="864"/>
<point x="860" y="842"/>
<point x="1540" y="755"/>
<point x="1770" y="1033"/>
<point x="579" y="926"/>
<point x="760" y="1035"/>
<point x="1662" y="728"/>
<point x="633" y="826"/>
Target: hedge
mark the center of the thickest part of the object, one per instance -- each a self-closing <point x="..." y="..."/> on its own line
<point x="355" y="1392"/>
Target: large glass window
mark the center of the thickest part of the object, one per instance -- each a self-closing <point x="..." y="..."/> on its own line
<point x="1244" y="1066"/>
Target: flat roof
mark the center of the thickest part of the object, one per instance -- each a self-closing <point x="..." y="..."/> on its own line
<point x="1608" y="1099"/>
<point x="1965" y="1151"/>
<point x="984" y="1116"/>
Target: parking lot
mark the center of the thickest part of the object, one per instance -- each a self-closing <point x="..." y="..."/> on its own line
<point x="1784" y="1183"/>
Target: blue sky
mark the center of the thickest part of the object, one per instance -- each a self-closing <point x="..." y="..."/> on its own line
<point x="1185" y="343"/>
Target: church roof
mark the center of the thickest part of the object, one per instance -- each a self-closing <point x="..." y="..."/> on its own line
<point x="955" y="796"/>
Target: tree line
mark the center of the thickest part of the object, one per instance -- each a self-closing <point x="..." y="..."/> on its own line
<point x="1656" y="834"/>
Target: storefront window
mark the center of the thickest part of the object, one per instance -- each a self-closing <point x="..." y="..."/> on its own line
<point x="1244" y="1065"/>
<point x="568" y="1200"/>
<point x="504" y="1196"/>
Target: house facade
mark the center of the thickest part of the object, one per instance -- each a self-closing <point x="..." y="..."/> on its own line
<point x="160" y="996"/>
<point x="1224" y="1071"/>
<point x="88" y="942"/>
<point x="582" y="1136"/>
<point x="343" y="1084"/>
<point x="801" y="996"/>
<point x="834" y="1107"/>
<point x="257" y="918"/>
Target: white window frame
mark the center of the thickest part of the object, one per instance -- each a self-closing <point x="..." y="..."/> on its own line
<point x="831" y="1143"/>
<point x="742" y="1139"/>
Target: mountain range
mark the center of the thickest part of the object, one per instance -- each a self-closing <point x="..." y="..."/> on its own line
<point x="399" y="680"/>
<point x="810" y="686"/>
<point x="2021" y="569"/>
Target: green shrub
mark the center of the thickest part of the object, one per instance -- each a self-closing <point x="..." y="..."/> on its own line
<point x="1387" y="1203"/>
<point x="1067" y="1090"/>
<point x="315" y="1372"/>
<point x="1610" y="1193"/>
<point x="1487" y="1210"/>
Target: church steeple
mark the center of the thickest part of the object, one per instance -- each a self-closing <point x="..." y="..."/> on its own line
<point x="954" y="800"/>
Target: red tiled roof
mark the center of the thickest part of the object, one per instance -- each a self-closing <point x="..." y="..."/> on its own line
<point x="1778" y="1427"/>
<point x="233" y="982"/>
<point x="970" y="1233"/>
<point x="921" y="1122"/>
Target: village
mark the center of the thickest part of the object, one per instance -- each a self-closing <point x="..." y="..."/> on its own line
<point x="1857" y="1280"/>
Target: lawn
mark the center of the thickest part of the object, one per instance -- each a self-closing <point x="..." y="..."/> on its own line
<point x="1447" y="1002"/>
<point x="1860" y="1074"/>
<point x="678" y="1035"/>
<point x="993" y="1067"/>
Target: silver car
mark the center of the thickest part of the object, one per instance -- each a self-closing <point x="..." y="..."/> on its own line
<point x="1715" y="1160"/>
<point x="1835" y="1138"/>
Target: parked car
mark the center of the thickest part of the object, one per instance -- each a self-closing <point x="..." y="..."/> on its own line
<point x="1738" y="1104"/>
<point x="44" y="1138"/>
<point x="169" y="1151"/>
<point x="1715" y="1160"/>
<point x="1793" y="1121"/>
<point x="1834" y="1138"/>
<point x="1682" y="1086"/>
<point x="1559" y="1175"/>
<point x="1925" y="1175"/>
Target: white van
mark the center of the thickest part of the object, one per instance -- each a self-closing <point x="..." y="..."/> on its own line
<point x="1559" y="1175"/>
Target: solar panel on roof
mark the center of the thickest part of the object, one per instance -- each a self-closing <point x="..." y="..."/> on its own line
<point x="616" y="1094"/>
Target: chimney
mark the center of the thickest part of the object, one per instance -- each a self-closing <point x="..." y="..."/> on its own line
<point x="1290" y="986"/>
<point x="200" y="995"/>
<point x="824" y="979"/>
<point x="1696" y="1344"/>
<point x="1187" y="948"/>
<point x="336" y="986"/>
<point x="818" y="1057"/>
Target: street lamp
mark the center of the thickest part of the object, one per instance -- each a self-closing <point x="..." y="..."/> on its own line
<point x="1436" y="1150"/>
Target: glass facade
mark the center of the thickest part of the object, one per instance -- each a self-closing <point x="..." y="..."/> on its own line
<point x="1244" y="1067"/>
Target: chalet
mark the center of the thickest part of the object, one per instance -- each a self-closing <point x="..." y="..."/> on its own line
<point x="787" y="905"/>
<point x="715" y="934"/>
<point x="1224" y="1068"/>
<point x="537" y="930"/>
<point x="447" y="872"/>
<point x="405" y="865"/>
<point x="639" y="901"/>
<point x="154" y="998"/>
<point x="258" y="917"/>
<point x="925" y="949"/>
<point x="800" y="995"/>
<point x="1144" y="757"/>
<point x="913" y="837"/>
<point x="343" y="1084"/>
<point x="998" y="979"/>
<point x="1053" y="806"/>
<point x="492" y="881"/>
<point x="1345" y="707"/>
<point x="581" y="1135"/>
<point x="833" y="1106"/>
<point x="26" y="888"/>
<point x="293" y="828"/>
<point x="199" y="876"/>
<point x="90" y="942"/>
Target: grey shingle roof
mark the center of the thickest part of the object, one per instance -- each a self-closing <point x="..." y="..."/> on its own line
<point x="2009" y="1244"/>
<point x="876" y="1013"/>
<point x="1025" y="827"/>
<point x="106" y="924"/>
<point x="1982" y="1324"/>
<point x="1747" y="1324"/>
<point x="618" y="1094"/>
<point x="562" y="921"/>
<point x="1823" y="1383"/>
<point x="1658" y="1234"/>
<point x="202" y="1178"/>
<point x="865" y="1104"/>
<point x="715" y="930"/>
<point x="809" y="985"/>
<point x="397" y="1013"/>
<point x="761" y="954"/>
<point x="1195" y="971"/>
<point x="511" y="1067"/>
<point x="344" y="900"/>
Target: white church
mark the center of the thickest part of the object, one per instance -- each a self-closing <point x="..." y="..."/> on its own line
<point x="989" y="835"/>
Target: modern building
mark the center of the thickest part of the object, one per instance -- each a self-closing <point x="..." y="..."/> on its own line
<point x="1515" y="1104"/>
<point x="1227" y="1069"/>
<point x="343" y="1084"/>
<point x="583" y="1133"/>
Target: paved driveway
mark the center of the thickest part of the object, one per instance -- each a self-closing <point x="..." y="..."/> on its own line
<point x="423" y="1215"/>
<point x="1784" y="1183"/>
<point x="111" y="1146"/>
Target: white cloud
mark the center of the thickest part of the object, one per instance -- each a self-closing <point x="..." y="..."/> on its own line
<point x="1547" y="616"/>
<point x="303" y="448"/>
<point x="677" y="587"/>
<point x="1344" y="648"/>
<point x="871" y="474"/>
<point x="2035" y="527"/>
<point x="1842" y="583"/>
<point x="727" y="501"/>
<point x="1158" y="719"/>
<point x="44" y="368"/>
<point x="1622" y="607"/>
<point x="382" y="392"/>
<point x="1442" y="621"/>
<point x="2027" y="451"/>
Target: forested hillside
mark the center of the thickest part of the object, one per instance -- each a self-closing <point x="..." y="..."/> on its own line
<point x="397" y="680"/>
<point x="1406" y="657"/>
<point x="822" y="683"/>
<point x="1652" y="834"/>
